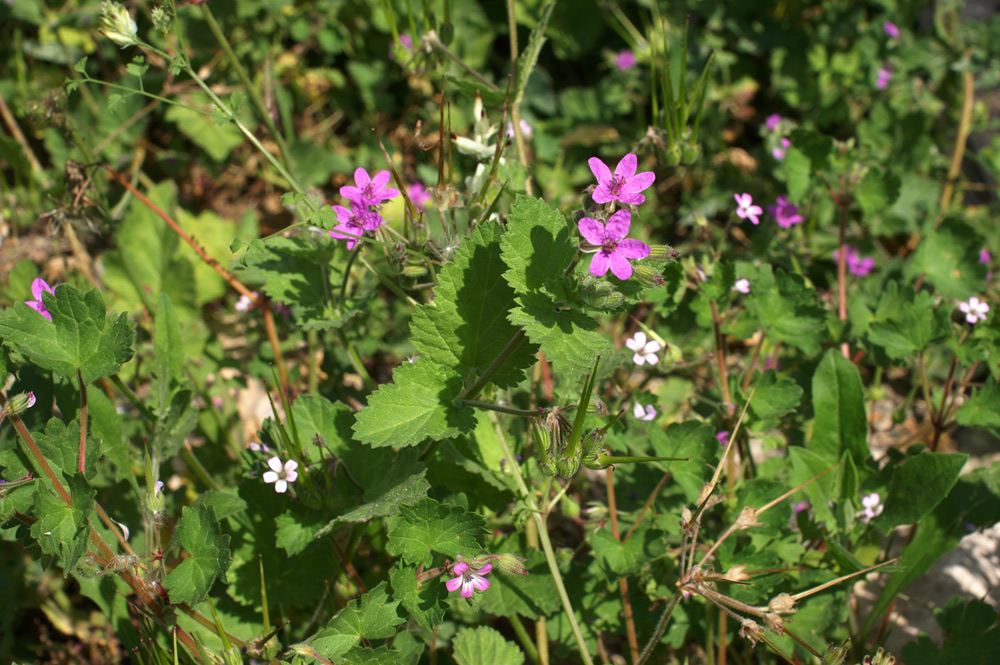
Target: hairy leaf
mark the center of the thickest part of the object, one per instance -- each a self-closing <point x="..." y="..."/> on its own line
<point x="429" y="526"/>
<point x="208" y="556"/>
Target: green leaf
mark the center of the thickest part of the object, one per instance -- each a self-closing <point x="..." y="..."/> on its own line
<point x="567" y="338"/>
<point x="424" y="602"/>
<point x="529" y="56"/>
<point x="774" y="397"/>
<point x="788" y="309"/>
<point x="401" y="483"/>
<point x="485" y="646"/>
<point x="972" y="635"/>
<point x="690" y="439"/>
<point x="906" y="323"/>
<point x="823" y="493"/>
<point x="372" y="617"/>
<point x="296" y="528"/>
<point x="225" y="504"/>
<point x="105" y="430"/>
<point x="841" y="424"/>
<point x="429" y="526"/>
<point x="919" y="484"/>
<point x="982" y="408"/>
<point x="60" y="444"/>
<point x="878" y="191"/>
<point x="532" y="595"/>
<point x="315" y="416"/>
<point x="62" y="530"/>
<point x="536" y="246"/>
<point x="949" y="258"/>
<point x="465" y="328"/>
<point x="216" y="139"/>
<point x="81" y="336"/>
<point x="416" y="407"/>
<point x="208" y="556"/>
<point x="621" y="559"/>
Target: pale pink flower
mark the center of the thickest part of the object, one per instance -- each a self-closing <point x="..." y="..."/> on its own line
<point x="369" y="191"/>
<point x="873" y="505"/>
<point x="280" y="474"/>
<point x="742" y="286"/>
<point x="610" y="246"/>
<point x="645" y="351"/>
<point x="526" y="129"/>
<point x="624" y="186"/>
<point x="890" y="29"/>
<point x="646" y="413"/>
<point x="856" y="264"/>
<point x="882" y="77"/>
<point x="419" y="195"/>
<point x="778" y="151"/>
<point x="470" y="580"/>
<point x="38" y="287"/>
<point x="245" y="302"/>
<point x="746" y="209"/>
<point x="974" y="310"/>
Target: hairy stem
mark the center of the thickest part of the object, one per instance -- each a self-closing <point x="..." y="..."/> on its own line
<point x="497" y="363"/>
<point x="661" y="627"/>
<point x="83" y="420"/>
<point x="633" y="641"/>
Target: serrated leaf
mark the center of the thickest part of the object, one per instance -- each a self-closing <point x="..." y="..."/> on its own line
<point x="465" y="328"/>
<point x="208" y="556"/>
<point x="483" y="645"/>
<point x="948" y="257"/>
<point x="81" y="336"/>
<point x="371" y="617"/>
<point x="62" y="530"/>
<point x="537" y="245"/>
<point x="60" y="444"/>
<point x="225" y="504"/>
<point x="402" y="483"/>
<point x="429" y="526"/>
<point x="567" y="338"/>
<point x="417" y="406"/>
<point x="982" y="408"/>
<point x="774" y="397"/>
<point x="788" y="309"/>
<point x="913" y="326"/>
<point x="841" y="423"/>
<point x="917" y="486"/>
<point x="296" y="528"/>
<point x="878" y="191"/>
<point x="424" y="602"/>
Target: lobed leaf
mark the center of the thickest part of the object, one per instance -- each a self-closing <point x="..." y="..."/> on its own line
<point x="208" y="556"/>
<point x="430" y="526"/>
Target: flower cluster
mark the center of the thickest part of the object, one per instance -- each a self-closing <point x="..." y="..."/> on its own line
<point x="606" y="239"/>
<point x="365" y="198"/>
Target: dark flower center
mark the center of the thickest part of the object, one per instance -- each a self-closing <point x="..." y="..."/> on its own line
<point x="369" y="191"/>
<point x="610" y="246"/>
<point x="617" y="182"/>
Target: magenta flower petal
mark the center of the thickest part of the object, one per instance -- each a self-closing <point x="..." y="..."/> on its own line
<point x="361" y="177"/>
<point x="618" y="225"/>
<point x="591" y="230"/>
<point x="453" y="583"/>
<point x="633" y="249"/>
<point x="600" y="171"/>
<point x="626" y="167"/>
<point x="620" y="266"/>
<point x="600" y="263"/>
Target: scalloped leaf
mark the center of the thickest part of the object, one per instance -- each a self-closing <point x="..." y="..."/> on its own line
<point x="208" y="556"/>
<point x="430" y="526"/>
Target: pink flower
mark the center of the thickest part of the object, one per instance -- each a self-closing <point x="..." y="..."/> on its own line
<point x="526" y="129"/>
<point x="974" y="310"/>
<point x="648" y="413"/>
<point x="856" y="264"/>
<point x="406" y="41"/>
<point x="38" y="287"/>
<point x="778" y="151"/>
<point x="418" y="194"/>
<point x="645" y="352"/>
<point x="470" y="580"/>
<point x="800" y="506"/>
<point x="984" y="255"/>
<point x="353" y="224"/>
<point x="890" y="29"/>
<point x="245" y="302"/>
<point x="625" y="60"/>
<point x="369" y="191"/>
<point x="785" y="213"/>
<point x="624" y="186"/>
<point x="281" y="475"/>
<point x="772" y="122"/>
<point x="612" y="248"/>
<point x="883" y="76"/>
<point x="746" y="209"/>
<point x="873" y="505"/>
<point x="723" y="437"/>
<point x="742" y="285"/>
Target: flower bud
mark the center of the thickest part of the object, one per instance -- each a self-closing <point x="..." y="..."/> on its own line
<point x="782" y="604"/>
<point x="690" y="154"/>
<point x="161" y="20"/>
<point x="597" y="406"/>
<point x="510" y="564"/>
<point x="414" y="270"/>
<point x="232" y="656"/>
<point x="117" y="25"/>
<point x="648" y="275"/>
<point x="672" y="156"/>
<point x="662" y="253"/>
<point x="567" y="467"/>
<point x="303" y="649"/>
<point x="19" y="403"/>
<point x="835" y="655"/>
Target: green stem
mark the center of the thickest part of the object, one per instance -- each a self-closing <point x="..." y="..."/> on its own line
<point x="131" y="397"/>
<point x="661" y="627"/>
<point x="359" y="366"/>
<point x="351" y="258"/>
<point x="248" y="85"/>
<point x="512" y="345"/>
<point x="474" y="403"/>
<point x="432" y="39"/>
<point x="83" y="420"/>
<point x="523" y="637"/>
<point x="543" y="537"/>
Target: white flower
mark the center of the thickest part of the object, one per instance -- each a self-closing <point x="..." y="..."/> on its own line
<point x="648" y="413"/>
<point x="974" y="310"/>
<point x="245" y="302"/>
<point x="645" y="352"/>
<point x="281" y="475"/>
<point x="742" y="285"/>
<point x="117" y="25"/>
<point x="873" y="505"/>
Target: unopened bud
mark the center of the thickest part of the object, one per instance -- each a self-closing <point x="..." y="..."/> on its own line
<point x="672" y="156"/>
<point x="567" y="468"/>
<point x="736" y="574"/>
<point x="690" y="154"/>
<point x="597" y="406"/>
<point x="303" y="649"/>
<point x="510" y="564"/>
<point x="19" y="403"/>
<point x="662" y="253"/>
<point x="835" y="655"/>
<point x="747" y="518"/>
<point x="117" y="25"/>
<point x="782" y="604"/>
<point x="648" y="275"/>
<point x="161" y="20"/>
<point x="232" y="656"/>
<point x="414" y="270"/>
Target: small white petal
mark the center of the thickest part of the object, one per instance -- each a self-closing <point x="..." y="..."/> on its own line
<point x="270" y="476"/>
<point x="275" y="464"/>
<point x="291" y="476"/>
<point x="291" y="465"/>
<point x="281" y="487"/>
